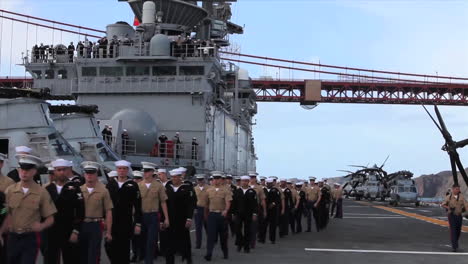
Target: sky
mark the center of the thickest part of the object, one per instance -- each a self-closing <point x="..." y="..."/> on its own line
<point x="426" y="37"/>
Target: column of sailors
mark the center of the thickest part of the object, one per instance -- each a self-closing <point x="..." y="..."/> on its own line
<point x="150" y="215"/>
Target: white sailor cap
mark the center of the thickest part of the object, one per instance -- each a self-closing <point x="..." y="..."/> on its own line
<point x="162" y="170"/>
<point x="217" y="174"/>
<point x="312" y="178"/>
<point x="26" y="160"/>
<point x="61" y="163"/>
<point x="337" y="184"/>
<point x="182" y="169"/>
<point x="252" y="174"/>
<point x="3" y="157"/>
<point x="228" y="176"/>
<point x="299" y="183"/>
<point x="320" y="181"/>
<point x="124" y="130"/>
<point x="137" y="174"/>
<point x="112" y="174"/>
<point x="283" y="180"/>
<point x="289" y="181"/>
<point x="270" y="180"/>
<point x="274" y="178"/>
<point x="238" y="178"/>
<point x="245" y="178"/>
<point x="123" y="163"/>
<point x="262" y="178"/>
<point x="23" y="149"/>
<point x="200" y="176"/>
<point x="90" y="166"/>
<point x="175" y="172"/>
<point x="148" y="165"/>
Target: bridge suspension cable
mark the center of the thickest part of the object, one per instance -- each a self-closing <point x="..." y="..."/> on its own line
<point x="345" y="68"/>
<point x="377" y="78"/>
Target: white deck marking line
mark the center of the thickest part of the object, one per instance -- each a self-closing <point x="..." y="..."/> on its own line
<point x="374" y="217"/>
<point x="387" y="251"/>
<point x="425" y="211"/>
<point x="410" y="208"/>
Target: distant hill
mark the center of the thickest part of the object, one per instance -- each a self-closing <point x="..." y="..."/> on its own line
<point x="436" y="185"/>
<point x="431" y="185"/>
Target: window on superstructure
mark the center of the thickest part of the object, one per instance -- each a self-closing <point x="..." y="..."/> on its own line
<point x="164" y="70"/>
<point x="62" y="74"/>
<point x="37" y="74"/>
<point x="88" y="71"/>
<point x="192" y="70"/>
<point x="137" y="71"/>
<point x="111" y="71"/>
<point x="49" y="74"/>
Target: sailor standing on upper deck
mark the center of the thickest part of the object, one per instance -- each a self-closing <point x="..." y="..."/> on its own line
<point x="456" y="205"/>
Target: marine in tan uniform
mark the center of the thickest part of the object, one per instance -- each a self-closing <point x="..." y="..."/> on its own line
<point x="456" y="205"/>
<point x="217" y="208"/>
<point x="98" y="208"/>
<point x="312" y="196"/>
<point x="202" y="197"/>
<point x="153" y="194"/>
<point x="27" y="204"/>
<point x="337" y="198"/>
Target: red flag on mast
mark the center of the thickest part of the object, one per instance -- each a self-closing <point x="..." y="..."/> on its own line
<point x="136" y="22"/>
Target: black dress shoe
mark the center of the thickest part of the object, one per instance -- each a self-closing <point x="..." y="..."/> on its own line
<point x="246" y="250"/>
<point x="207" y="258"/>
<point x="273" y="242"/>
<point x="239" y="248"/>
<point x="226" y="256"/>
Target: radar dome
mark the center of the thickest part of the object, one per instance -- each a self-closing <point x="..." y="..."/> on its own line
<point x="141" y="127"/>
<point x="160" y="45"/>
<point x="243" y="74"/>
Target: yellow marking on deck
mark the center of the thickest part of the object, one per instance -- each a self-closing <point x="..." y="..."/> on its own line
<point x="413" y="215"/>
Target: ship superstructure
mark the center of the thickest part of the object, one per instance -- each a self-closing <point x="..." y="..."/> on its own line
<point x="164" y="76"/>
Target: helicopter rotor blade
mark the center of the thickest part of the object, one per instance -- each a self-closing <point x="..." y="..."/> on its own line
<point x="383" y="164"/>
<point x="445" y="132"/>
<point x="461" y="144"/>
<point x="460" y="167"/>
<point x="433" y="120"/>
<point x="454" y="168"/>
<point x="358" y="166"/>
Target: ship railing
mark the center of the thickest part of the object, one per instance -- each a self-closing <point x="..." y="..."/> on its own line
<point x="115" y="50"/>
<point x="176" y="151"/>
<point x="168" y="84"/>
<point x="128" y="147"/>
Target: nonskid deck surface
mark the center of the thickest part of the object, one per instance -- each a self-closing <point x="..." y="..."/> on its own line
<point x="367" y="234"/>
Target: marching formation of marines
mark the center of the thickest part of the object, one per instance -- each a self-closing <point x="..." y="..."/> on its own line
<point x="151" y="214"/>
<point x="146" y="216"/>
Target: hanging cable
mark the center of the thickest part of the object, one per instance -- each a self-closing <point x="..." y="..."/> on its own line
<point x="346" y="68"/>
<point x="11" y="45"/>
<point x="1" y="40"/>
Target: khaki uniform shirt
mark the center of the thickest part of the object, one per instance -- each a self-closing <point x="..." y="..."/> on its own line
<point x="459" y="203"/>
<point x="26" y="209"/>
<point x="202" y="195"/>
<point x="5" y="182"/>
<point x="312" y="193"/>
<point x="337" y="193"/>
<point x="217" y="197"/>
<point x="150" y="197"/>
<point x="97" y="202"/>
